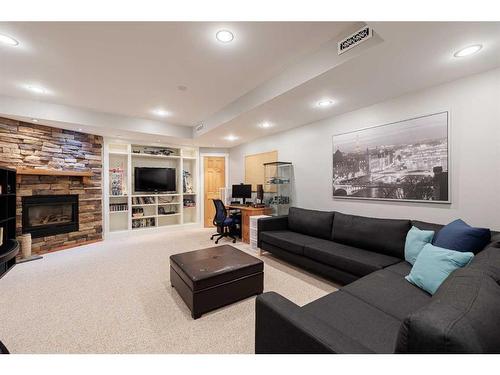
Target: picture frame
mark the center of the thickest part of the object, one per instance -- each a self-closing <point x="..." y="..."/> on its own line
<point x="406" y="160"/>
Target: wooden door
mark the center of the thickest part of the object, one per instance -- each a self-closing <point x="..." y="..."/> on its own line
<point x="214" y="176"/>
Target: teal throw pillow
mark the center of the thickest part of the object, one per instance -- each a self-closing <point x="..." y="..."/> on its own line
<point x="434" y="264"/>
<point x="416" y="239"/>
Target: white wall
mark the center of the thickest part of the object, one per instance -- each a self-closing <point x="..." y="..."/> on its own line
<point x="474" y="106"/>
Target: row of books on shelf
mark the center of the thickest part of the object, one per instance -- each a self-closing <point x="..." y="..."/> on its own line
<point x="151" y="200"/>
<point x="143" y="200"/>
<point x="144" y="223"/>
<point x="167" y="200"/>
<point x="138" y="212"/>
<point x="187" y="202"/>
<point x="115" y="207"/>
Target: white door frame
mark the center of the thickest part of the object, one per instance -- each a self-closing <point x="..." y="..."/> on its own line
<point x="201" y="178"/>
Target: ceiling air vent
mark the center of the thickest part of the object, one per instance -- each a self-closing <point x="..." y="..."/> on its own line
<point x="354" y="39"/>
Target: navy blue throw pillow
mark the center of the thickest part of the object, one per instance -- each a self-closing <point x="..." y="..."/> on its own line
<point x="460" y="236"/>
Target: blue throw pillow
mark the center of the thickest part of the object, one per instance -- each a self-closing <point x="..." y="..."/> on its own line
<point x="434" y="264"/>
<point x="416" y="239"/>
<point x="460" y="236"/>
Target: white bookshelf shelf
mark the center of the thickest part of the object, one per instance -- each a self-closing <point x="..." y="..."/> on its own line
<point x="119" y="155"/>
<point x="144" y="228"/>
<point x="155" y="195"/>
<point x="155" y="156"/>
<point x="143" y="217"/>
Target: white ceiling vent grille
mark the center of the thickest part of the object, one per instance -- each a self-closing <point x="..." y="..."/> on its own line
<point x="354" y="39"/>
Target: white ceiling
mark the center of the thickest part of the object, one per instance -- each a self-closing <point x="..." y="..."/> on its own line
<point x="131" y="68"/>
<point x="411" y="57"/>
<point x="273" y="72"/>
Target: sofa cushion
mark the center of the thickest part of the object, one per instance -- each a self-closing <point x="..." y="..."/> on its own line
<point x="385" y="236"/>
<point x="310" y="222"/>
<point x="462" y="317"/>
<point x="434" y="265"/>
<point x="357" y="319"/>
<point x="416" y="239"/>
<point x="460" y="236"/>
<point x="288" y="240"/>
<point x="488" y="261"/>
<point x="309" y="264"/>
<point x="423" y="225"/>
<point x="402" y="268"/>
<point x="495" y="239"/>
<point x="359" y="262"/>
<point x="389" y="292"/>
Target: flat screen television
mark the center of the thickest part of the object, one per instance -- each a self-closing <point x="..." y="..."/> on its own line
<point x="154" y="179"/>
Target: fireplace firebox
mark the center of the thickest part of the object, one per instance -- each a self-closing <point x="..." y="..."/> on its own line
<point x="47" y="215"/>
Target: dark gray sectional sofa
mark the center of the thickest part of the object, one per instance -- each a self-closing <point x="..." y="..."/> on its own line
<point x="377" y="311"/>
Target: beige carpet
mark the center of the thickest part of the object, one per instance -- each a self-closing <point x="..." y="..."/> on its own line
<point x="115" y="297"/>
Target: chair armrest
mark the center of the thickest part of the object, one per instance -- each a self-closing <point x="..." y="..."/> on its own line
<point x="282" y="327"/>
<point x="271" y="223"/>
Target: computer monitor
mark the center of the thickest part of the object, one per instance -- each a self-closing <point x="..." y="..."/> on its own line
<point x="242" y="191"/>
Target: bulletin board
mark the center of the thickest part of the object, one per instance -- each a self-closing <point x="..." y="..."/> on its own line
<point x="254" y="167"/>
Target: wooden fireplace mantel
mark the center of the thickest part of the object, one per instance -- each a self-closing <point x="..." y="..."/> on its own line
<point x="52" y="172"/>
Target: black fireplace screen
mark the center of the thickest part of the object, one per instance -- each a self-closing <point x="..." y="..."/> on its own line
<point x="46" y="215"/>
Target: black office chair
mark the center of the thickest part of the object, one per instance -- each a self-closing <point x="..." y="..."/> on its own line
<point x="226" y="226"/>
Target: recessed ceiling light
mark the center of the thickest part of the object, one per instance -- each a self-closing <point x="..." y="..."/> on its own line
<point x="467" y="51"/>
<point x="231" y="138"/>
<point x="161" y="112"/>
<point x="37" y="89"/>
<point x="80" y="129"/>
<point x="34" y="120"/>
<point x="265" y="125"/>
<point x="7" y="40"/>
<point x="325" y="103"/>
<point x="224" y="36"/>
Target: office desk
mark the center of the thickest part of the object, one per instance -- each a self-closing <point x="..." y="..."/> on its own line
<point x="246" y="212"/>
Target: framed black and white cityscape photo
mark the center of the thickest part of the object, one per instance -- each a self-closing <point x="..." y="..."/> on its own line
<point x="405" y="161"/>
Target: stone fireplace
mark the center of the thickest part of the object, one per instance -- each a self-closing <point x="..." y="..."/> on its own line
<point x="47" y="215"/>
<point x="53" y="163"/>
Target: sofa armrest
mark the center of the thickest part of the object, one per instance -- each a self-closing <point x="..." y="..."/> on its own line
<point x="282" y="327"/>
<point x="271" y="223"/>
<point x="3" y="349"/>
<point x="495" y="240"/>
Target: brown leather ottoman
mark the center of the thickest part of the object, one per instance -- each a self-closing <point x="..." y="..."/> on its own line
<point x="210" y="278"/>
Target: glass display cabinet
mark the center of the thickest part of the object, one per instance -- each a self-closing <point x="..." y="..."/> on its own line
<point x="278" y="186"/>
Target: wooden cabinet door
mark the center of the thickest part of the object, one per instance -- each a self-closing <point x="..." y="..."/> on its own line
<point x="214" y="179"/>
<point x="245" y="226"/>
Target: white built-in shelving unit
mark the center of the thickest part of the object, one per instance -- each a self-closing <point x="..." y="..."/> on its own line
<point x="159" y="210"/>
